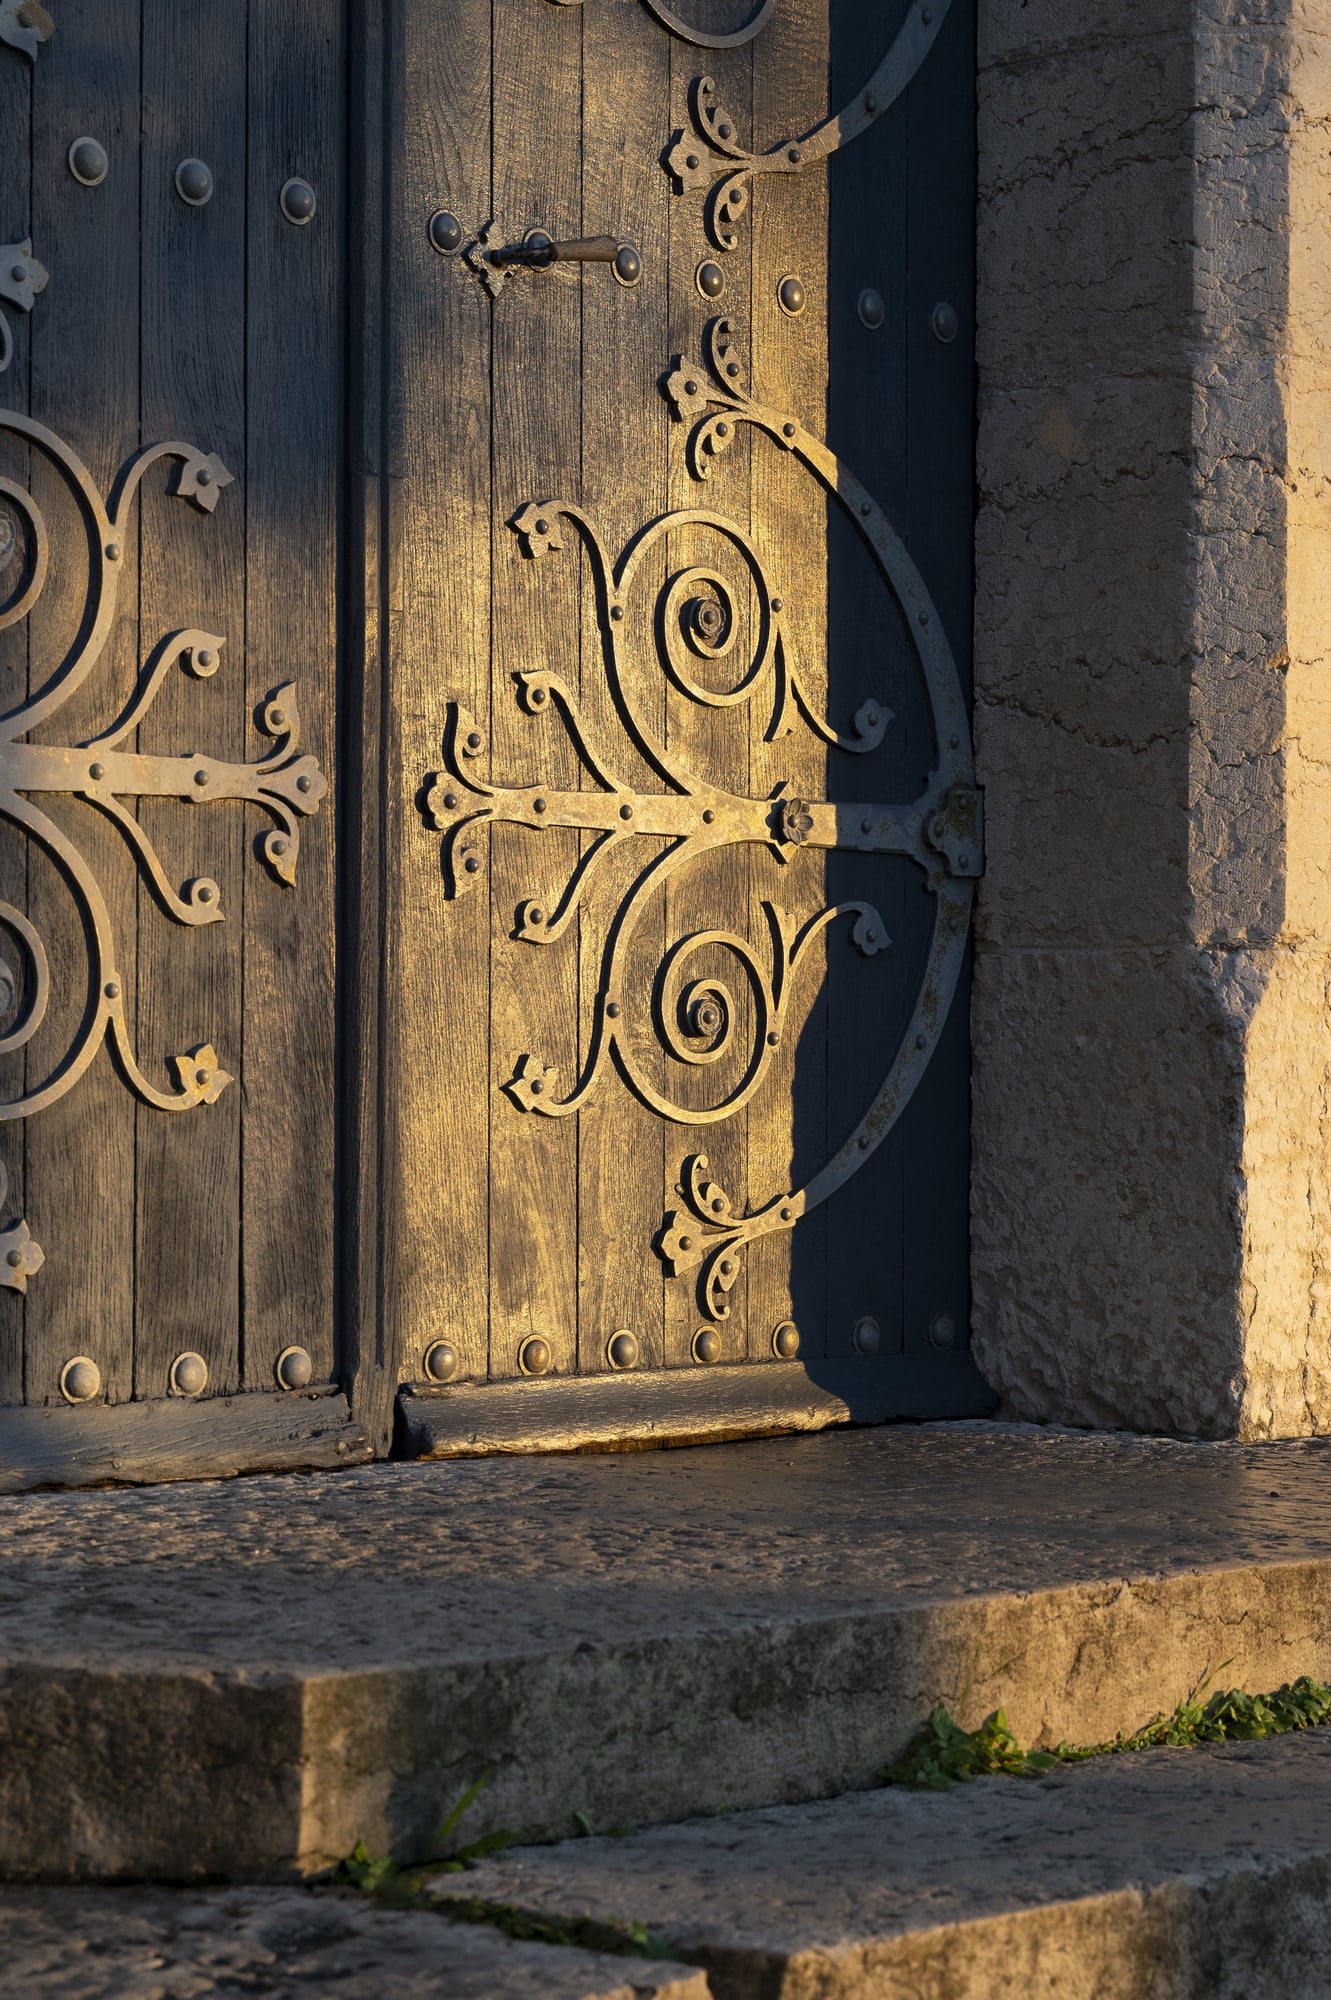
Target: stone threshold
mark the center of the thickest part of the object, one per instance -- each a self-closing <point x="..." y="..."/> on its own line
<point x="243" y="1679"/>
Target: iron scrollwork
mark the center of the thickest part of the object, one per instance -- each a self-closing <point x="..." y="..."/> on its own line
<point x="103" y="773"/>
<point x="21" y="278"/>
<point x="695" y="616"/>
<point x="25" y="25"/>
<point x="711" y="155"/>
<point x="698" y="37"/>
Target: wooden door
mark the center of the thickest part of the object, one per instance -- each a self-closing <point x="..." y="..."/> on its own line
<point x="172" y="198"/>
<point x="679" y="831"/>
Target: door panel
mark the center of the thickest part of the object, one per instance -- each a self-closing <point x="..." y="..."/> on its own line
<point x="688" y="726"/>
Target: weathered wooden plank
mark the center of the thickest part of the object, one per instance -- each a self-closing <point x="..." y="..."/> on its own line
<point x="681" y="1407"/>
<point x="294" y="457"/>
<point x="440" y="1072"/>
<point x="152" y="1443"/>
<point x="84" y="334"/>
<point x="536" y="414"/>
<point x="625" y="442"/>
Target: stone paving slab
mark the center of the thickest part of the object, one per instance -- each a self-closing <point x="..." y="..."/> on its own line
<point x="289" y="1944"/>
<point x="1164" y="1875"/>
<point x="244" y="1678"/>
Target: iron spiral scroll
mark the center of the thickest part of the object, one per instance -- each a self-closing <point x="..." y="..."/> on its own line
<point x="694" y="619"/>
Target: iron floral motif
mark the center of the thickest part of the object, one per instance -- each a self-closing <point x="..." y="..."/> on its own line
<point x="25" y="25"/>
<point x="21" y="278"/>
<point x="694" y="1021"/>
<point x="711" y="155"/>
<point x="103" y="773"/>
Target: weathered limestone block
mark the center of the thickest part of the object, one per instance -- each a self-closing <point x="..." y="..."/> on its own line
<point x="1152" y="1019"/>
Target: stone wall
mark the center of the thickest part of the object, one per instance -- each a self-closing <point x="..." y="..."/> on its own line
<point x="1152" y="1021"/>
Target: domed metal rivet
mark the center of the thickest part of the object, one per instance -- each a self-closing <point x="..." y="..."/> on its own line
<point x="205" y="659"/>
<point x="787" y="1215"/>
<point x="794" y="155"/>
<point x="194" y="182"/>
<point x="616" y="611"/>
<point x="692" y="162"/>
<point x="14" y="1259"/>
<point x="626" y="812"/>
<point x="790" y="295"/>
<point x="786" y="1340"/>
<point x="534" y="1356"/>
<point x="445" y="232"/>
<point x="441" y="1361"/>
<point x="303" y="782"/>
<point x="707" y="1345"/>
<point x="727" y="1267"/>
<point x="773" y="1038"/>
<point x="942" y="1331"/>
<point x="778" y="604"/>
<point x="627" y="265"/>
<point x="871" y="308"/>
<point x="870" y="102"/>
<point x="293" y="1368"/>
<point x="200" y="777"/>
<point x="88" y="161"/>
<point x="622" y="1349"/>
<point x="189" y="1374"/>
<point x="80" y="1379"/>
<point x="612" y="1009"/>
<point x="867" y="1336"/>
<point x="113" y="552"/>
<point x="112" y="989"/>
<point x="711" y="282"/>
<point x="943" y="320"/>
<point x="281" y="844"/>
<point x="474" y="739"/>
<point x="298" y="202"/>
<point x="708" y="816"/>
<point x="472" y="863"/>
<point x="96" y="771"/>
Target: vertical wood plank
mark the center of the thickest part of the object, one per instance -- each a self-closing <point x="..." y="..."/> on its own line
<point x="294" y="453"/>
<point x="193" y="572"/>
<point x="80" y="1194"/>
<point x="440" y="1069"/>
<point x="537" y="409"/>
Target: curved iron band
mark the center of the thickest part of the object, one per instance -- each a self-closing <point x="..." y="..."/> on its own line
<point x="749" y="32"/>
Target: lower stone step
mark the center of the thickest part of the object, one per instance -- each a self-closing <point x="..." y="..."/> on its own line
<point x="290" y="1944"/>
<point x="1159" y="1875"/>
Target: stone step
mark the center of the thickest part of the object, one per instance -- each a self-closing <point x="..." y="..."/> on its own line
<point x="244" y="1679"/>
<point x="291" y="1944"/>
<point x="1161" y="1875"/>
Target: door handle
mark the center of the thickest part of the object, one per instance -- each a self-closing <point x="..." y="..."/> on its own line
<point x="538" y="251"/>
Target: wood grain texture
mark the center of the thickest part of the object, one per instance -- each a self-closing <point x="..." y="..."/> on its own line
<point x="683" y="1407"/>
<point x="152" y="1443"/>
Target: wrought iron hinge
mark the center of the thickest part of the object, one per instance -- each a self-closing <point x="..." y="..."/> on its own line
<point x="21" y="278"/>
<point x="25" y="25"/>
<point x="956" y="831"/>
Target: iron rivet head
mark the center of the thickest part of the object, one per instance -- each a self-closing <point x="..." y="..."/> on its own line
<point x="708" y="816"/>
<point x="778" y="604"/>
<point x="717" y="1205"/>
<point x="204" y="476"/>
<point x="711" y="282"/>
<point x="707" y="1345"/>
<point x="189" y="1374"/>
<point x="113" y="552"/>
<point x="942" y="1331"/>
<point x="622" y="1349"/>
<point x="281" y="844"/>
<point x="616" y="611"/>
<point x="612" y="1009"/>
<point x="96" y="771"/>
<point x="293" y="1368"/>
<point x="794" y="155"/>
<point x="723" y="430"/>
<point x="537" y="1086"/>
<point x="785" y="1340"/>
<point x="194" y="182"/>
<point x="200" y="777"/>
<point x="627" y="265"/>
<point x="201" y="1077"/>
<point x="871" y="937"/>
<point x="539" y="697"/>
<point x="691" y="162"/>
<point x="725" y="129"/>
<point x="18" y="272"/>
<point x="788" y="430"/>
<point x="954" y="742"/>
<point x="921" y="1041"/>
<point x="686" y="1243"/>
<point x="866" y="826"/>
<point x="773" y="1038"/>
<point x="112" y="989"/>
<point x="278" y="718"/>
<point x="450" y="801"/>
<point x="871" y="308"/>
<point x="870" y="102"/>
<point x="690" y="388"/>
<point x="538" y="805"/>
<point x="88" y="161"/>
<point x="787" y="1215"/>
<point x="943" y="320"/>
<point x="445" y="232"/>
<point x="542" y="527"/>
<point x="865" y="507"/>
<point x="727" y="1266"/>
<point x="536" y="915"/>
<point x="867" y="1336"/>
<point x="732" y="368"/>
<point x="472" y="863"/>
<point x="534" y="1356"/>
<point x="204" y="658"/>
<point x="298" y="202"/>
<point x="80" y="1379"/>
<point x="474" y="740"/>
<point x="864" y="1142"/>
<point x="626" y="812"/>
<point x="14" y="1258"/>
<point x="441" y="1361"/>
<point x="926" y="16"/>
<point x="790" y="295"/>
<point x="205" y="892"/>
<point x="303" y="782"/>
<point x="924" y="618"/>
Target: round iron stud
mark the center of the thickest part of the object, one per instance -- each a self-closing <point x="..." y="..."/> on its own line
<point x="298" y="202"/>
<point x="622" y="1349"/>
<point x="786" y="1340"/>
<point x="707" y="1346"/>
<point x="80" y="1379"/>
<point x="445" y="232"/>
<point x="790" y="295"/>
<point x="88" y="161"/>
<point x="441" y="1361"/>
<point x="710" y="280"/>
<point x="627" y="266"/>
<point x="293" y="1368"/>
<point x="943" y="321"/>
<point x="194" y="182"/>
<point x="942" y="1332"/>
<point x="534" y="1356"/>
<point x="867" y="1336"/>
<point x="189" y="1374"/>
<point x="871" y="308"/>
